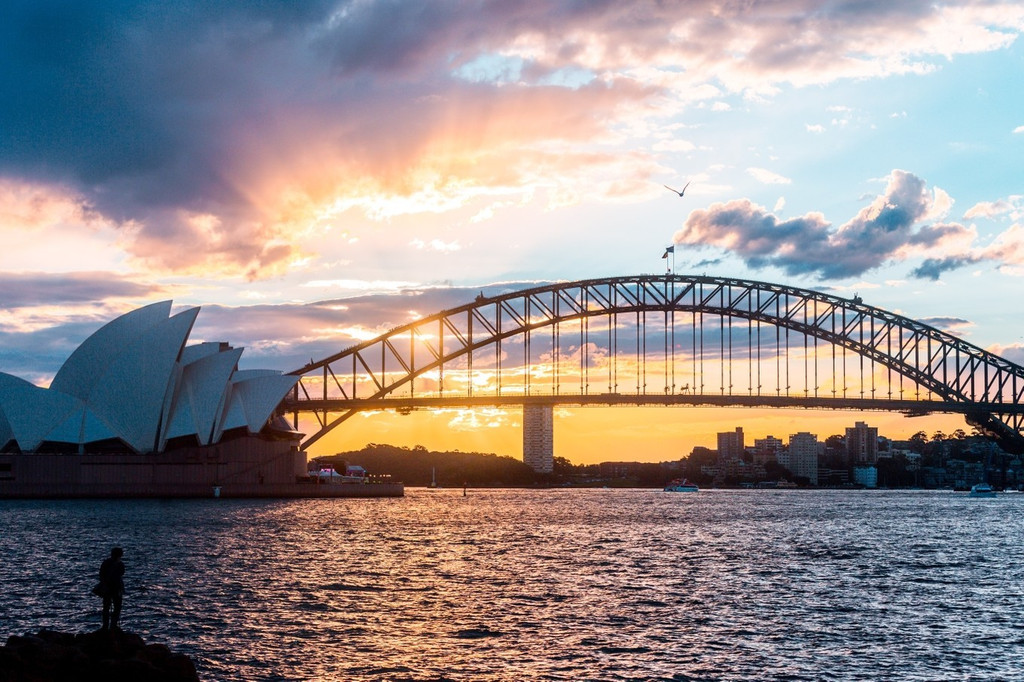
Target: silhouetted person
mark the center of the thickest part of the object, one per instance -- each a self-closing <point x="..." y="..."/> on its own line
<point x="112" y="587"/>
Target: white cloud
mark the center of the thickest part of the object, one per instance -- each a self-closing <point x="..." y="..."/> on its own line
<point x="674" y="146"/>
<point x="1013" y="352"/>
<point x="887" y="230"/>
<point x="988" y="209"/>
<point x="435" y="245"/>
<point x="942" y="203"/>
<point x="768" y="177"/>
<point x="50" y="228"/>
<point x="357" y="286"/>
<point x="1012" y="206"/>
<point x="357" y="332"/>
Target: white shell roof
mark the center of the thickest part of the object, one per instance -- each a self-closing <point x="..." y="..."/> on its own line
<point x="6" y="430"/>
<point x="90" y="360"/>
<point x="200" y="400"/>
<point x="32" y="412"/>
<point x="136" y="380"/>
<point x="199" y="351"/>
<point x="131" y="393"/>
<point x="83" y="426"/>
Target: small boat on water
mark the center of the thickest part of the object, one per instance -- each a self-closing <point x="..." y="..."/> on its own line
<point x="681" y="485"/>
<point x="982" y="490"/>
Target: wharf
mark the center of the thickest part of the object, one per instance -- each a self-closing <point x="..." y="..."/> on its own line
<point x="249" y="472"/>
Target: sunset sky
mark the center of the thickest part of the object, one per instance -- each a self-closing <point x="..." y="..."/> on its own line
<point x="313" y="174"/>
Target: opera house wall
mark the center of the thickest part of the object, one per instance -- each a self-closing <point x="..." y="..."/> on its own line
<point x="136" y="412"/>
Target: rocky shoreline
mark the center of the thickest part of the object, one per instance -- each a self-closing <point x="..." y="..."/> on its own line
<point x="115" y="656"/>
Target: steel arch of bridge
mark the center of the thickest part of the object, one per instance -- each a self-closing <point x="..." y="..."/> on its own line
<point x="952" y="375"/>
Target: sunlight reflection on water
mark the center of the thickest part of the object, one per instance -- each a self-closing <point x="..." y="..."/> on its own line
<point x="546" y="584"/>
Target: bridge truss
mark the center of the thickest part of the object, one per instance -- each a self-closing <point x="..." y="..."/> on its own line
<point x="667" y="340"/>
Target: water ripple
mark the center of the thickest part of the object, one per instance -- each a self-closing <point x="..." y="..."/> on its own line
<point x="543" y="585"/>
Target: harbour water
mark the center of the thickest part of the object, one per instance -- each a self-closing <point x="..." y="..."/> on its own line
<point x="543" y="584"/>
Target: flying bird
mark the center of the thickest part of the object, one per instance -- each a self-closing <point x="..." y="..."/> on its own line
<point x="680" y="192"/>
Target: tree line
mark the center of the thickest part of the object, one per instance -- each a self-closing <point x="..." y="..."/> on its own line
<point x="417" y="466"/>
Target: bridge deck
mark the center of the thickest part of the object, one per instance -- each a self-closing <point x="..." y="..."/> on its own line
<point x="908" y="407"/>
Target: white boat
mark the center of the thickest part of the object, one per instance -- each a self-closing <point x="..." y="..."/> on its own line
<point x="982" y="490"/>
<point x="433" y="478"/>
<point x="328" y="474"/>
<point x="681" y="485"/>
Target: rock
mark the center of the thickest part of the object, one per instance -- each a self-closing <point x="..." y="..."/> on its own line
<point x="50" y="656"/>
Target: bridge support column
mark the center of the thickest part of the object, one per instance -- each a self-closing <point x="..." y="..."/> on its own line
<point x="539" y="437"/>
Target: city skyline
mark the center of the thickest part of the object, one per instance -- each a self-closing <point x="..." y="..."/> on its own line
<point x="315" y="176"/>
<point x="774" y="440"/>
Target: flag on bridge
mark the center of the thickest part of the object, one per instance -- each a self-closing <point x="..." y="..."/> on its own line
<point x="671" y="249"/>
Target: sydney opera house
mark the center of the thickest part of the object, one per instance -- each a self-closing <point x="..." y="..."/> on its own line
<point x="137" y="412"/>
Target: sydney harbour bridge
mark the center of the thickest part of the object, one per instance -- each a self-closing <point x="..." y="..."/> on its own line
<point x="666" y="340"/>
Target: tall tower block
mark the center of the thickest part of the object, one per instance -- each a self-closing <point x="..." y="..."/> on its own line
<point x="539" y="438"/>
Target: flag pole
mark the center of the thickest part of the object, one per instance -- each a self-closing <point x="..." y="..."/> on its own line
<point x="670" y="266"/>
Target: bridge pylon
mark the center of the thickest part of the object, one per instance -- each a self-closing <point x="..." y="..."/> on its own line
<point x="539" y="437"/>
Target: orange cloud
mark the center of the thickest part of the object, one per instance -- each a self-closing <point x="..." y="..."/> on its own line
<point x="239" y="137"/>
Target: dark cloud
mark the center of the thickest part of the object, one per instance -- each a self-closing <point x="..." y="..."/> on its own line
<point x="35" y="340"/>
<point x="157" y="112"/>
<point x="759" y="237"/>
<point x="886" y="224"/>
<point x="155" y="109"/>
<point x="809" y="245"/>
<point x="21" y="290"/>
<point x="162" y="114"/>
<point x="1014" y="353"/>
<point x="135" y="104"/>
<point x="146" y="100"/>
<point x="37" y="356"/>
<point x="933" y="268"/>
<point x="287" y="336"/>
<point x="947" y="324"/>
<point x="283" y="337"/>
<point x="37" y="351"/>
<point x="392" y="36"/>
<point x="98" y="92"/>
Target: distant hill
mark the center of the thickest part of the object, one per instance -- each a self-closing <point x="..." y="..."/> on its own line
<point x="453" y="469"/>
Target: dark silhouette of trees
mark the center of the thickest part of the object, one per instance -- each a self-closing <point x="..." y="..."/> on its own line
<point x="415" y="466"/>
